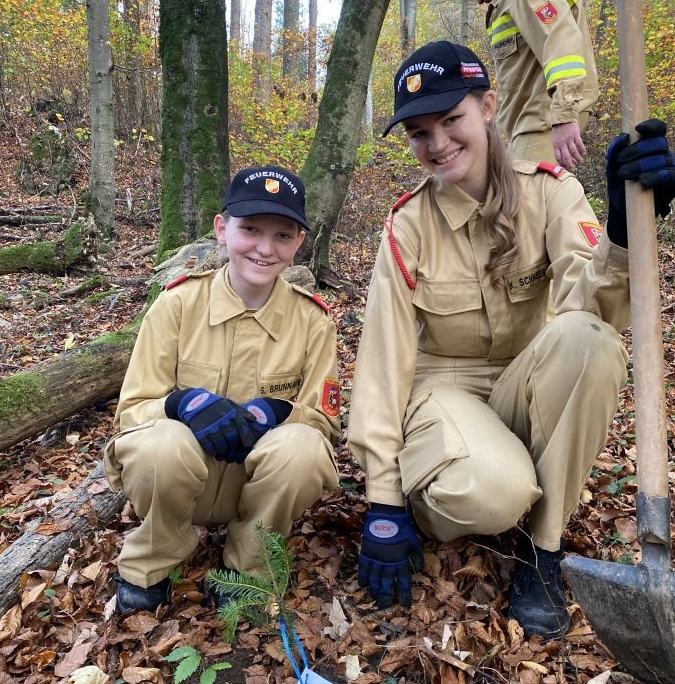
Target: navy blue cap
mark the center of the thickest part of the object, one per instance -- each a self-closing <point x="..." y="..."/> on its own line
<point x="266" y="190"/>
<point x="435" y="78"/>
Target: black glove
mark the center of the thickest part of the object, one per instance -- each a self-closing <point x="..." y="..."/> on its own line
<point x="391" y="552"/>
<point x="266" y="414"/>
<point x="649" y="161"/>
<point x="221" y="426"/>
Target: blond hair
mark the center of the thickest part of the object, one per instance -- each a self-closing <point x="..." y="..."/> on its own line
<point x="501" y="206"/>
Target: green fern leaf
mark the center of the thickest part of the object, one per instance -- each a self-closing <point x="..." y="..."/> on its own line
<point x="180" y="653"/>
<point x="186" y="668"/>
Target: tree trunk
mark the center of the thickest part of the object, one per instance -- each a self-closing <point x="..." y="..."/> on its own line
<point x="408" y="26"/>
<point x="74" y="252"/>
<point x="192" y="33"/>
<point x="464" y="23"/>
<point x="79" y="515"/>
<point x="311" y="44"/>
<point x="330" y="161"/>
<point x="262" y="51"/>
<point x="102" y="170"/>
<point x="291" y="40"/>
<point x="34" y="399"/>
<point x="235" y="23"/>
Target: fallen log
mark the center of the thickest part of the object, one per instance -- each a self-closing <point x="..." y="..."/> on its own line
<point x="74" y="251"/>
<point x="36" y="398"/>
<point x="89" y="507"/>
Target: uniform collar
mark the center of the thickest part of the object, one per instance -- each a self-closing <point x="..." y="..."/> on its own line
<point x="456" y="205"/>
<point x="225" y="304"/>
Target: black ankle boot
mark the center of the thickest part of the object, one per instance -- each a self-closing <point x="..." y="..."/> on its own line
<point x="537" y="599"/>
<point x="131" y="597"/>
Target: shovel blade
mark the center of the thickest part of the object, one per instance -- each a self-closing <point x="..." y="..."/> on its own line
<point x="632" y="609"/>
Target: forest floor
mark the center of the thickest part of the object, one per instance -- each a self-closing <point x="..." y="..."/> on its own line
<point x="455" y="632"/>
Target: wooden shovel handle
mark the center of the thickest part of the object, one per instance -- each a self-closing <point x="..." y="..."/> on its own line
<point x="650" y="407"/>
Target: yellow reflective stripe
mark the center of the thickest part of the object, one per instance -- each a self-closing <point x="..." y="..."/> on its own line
<point x="569" y="66"/>
<point x="501" y="29"/>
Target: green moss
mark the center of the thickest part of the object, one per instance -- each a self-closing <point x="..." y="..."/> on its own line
<point x="16" y="391"/>
<point x="72" y="243"/>
<point x="99" y="296"/>
<point x="39" y="257"/>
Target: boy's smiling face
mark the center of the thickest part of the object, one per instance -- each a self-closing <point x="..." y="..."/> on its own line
<point x="259" y="248"/>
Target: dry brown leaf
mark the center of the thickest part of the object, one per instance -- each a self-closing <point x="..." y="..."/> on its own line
<point x="31" y="595"/>
<point x="10" y="623"/>
<point x="138" y="675"/>
<point x="88" y="675"/>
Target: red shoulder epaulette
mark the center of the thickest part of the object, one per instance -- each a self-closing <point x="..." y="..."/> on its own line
<point x="317" y="300"/>
<point x="177" y="281"/>
<point x="553" y="169"/>
<point x="389" y="227"/>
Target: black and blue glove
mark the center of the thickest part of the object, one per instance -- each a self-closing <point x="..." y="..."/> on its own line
<point x="267" y="414"/>
<point x="391" y="551"/>
<point x="221" y="426"/>
<point x="649" y="161"/>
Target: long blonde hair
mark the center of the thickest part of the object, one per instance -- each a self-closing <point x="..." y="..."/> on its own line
<point x="502" y="205"/>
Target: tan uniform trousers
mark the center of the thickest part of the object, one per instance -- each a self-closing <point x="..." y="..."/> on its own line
<point x="172" y="483"/>
<point x="536" y="145"/>
<point x="526" y="442"/>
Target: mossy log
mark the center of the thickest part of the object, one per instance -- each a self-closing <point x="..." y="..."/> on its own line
<point x="44" y="394"/>
<point x="34" y="399"/>
<point x="74" y="252"/>
<point x="89" y="507"/>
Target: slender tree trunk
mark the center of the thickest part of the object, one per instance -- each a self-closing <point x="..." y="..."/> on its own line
<point x="311" y="44"/>
<point x="102" y="170"/>
<point x="330" y="162"/>
<point x="262" y="51"/>
<point x="408" y="10"/>
<point x="464" y="23"/>
<point x="291" y="39"/>
<point x="235" y="23"/>
<point x="193" y="49"/>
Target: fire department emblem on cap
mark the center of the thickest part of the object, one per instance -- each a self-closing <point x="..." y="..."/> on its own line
<point x="592" y="232"/>
<point x="547" y="13"/>
<point x="271" y="185"/>
<point x="413" y="83"/>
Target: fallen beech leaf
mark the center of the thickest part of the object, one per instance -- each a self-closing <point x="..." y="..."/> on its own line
<point x="531" y="665"/>
<point x="136" y="675"/>
<point x="352" y="666"/>
<point x="32" y="594"/>
<point x="10" y="623"/>
<point x="88" y="675"/>
<point x="602" y="678"/>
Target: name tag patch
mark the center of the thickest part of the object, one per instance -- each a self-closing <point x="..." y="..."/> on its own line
<point x="527" y="278"/>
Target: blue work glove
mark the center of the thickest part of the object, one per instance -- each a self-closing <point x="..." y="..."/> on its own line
<point x="266" y="414"/>
<point x="221" y="426"/>
<point x="649" y="161"/>
<point x="391" y="551"/>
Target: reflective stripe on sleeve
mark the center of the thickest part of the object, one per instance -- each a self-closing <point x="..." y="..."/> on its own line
<point x="569" y="66"/>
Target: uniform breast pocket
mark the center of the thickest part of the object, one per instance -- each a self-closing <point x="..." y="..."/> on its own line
<point x="191" y="374"/>
<point x="449" y="314"/>
<point x="286" y="386"/>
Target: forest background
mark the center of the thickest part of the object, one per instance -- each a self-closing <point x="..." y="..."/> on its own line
<point x="62" y="621"/>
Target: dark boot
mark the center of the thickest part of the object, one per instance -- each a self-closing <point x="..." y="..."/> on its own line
<point x="131" y="597"/>
<point x="537" y="598"/>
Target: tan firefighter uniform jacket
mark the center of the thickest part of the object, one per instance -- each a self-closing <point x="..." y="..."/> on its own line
<point x="199" y="334"/>
<point x="454" y="315"/>
<point x="544" y="63"/>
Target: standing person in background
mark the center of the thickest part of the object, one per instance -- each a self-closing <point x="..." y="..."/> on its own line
<point x="469" y="412"/>
<point x="230" y="404"/>
<point x="547" y="82"/>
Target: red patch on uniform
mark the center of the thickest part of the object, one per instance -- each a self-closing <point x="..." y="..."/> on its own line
<point x="553" y="169"/>
<point x="330" y="397"/>
<point x="178" y="281"/>
<point x="592" y="232"/>
<point x="546" y="13"/>
<point x="320" y="302"/>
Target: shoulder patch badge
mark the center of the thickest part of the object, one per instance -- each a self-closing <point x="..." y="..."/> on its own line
<point x="592" y="232"/>
<point x="546" y="13"/>
<point x="330" y="397"/>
